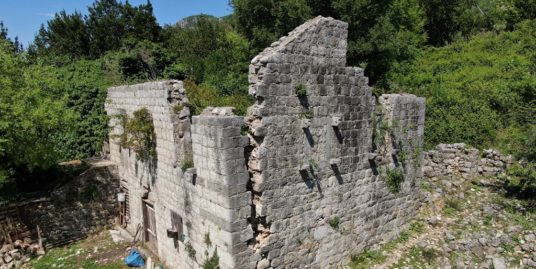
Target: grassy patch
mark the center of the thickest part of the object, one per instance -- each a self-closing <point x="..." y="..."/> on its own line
<point x="96" y="252"/>
<point x="418" y="257"/>
<point x="366" y="259"/>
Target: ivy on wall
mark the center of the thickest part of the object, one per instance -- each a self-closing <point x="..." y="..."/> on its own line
<point x="138" y="134"/>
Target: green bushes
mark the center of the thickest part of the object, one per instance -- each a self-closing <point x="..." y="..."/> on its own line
<point x="393" y="179"/>
<point x="521" y="179"/>
<point x="481" y="92"/>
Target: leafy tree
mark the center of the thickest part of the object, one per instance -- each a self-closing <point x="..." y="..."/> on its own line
<point x="381" y="33"/>
<point x="210" y="51"/>
<point x="33" y="114"/>
<point x="105" y="25"/>
<point x="84" y="86"/>
<point x="65" y="34"/>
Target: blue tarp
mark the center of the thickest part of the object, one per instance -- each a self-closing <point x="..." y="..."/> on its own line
<point x="134" y="259"/>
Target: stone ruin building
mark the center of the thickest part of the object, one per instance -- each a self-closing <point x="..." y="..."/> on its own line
<point x="301" y="181"/>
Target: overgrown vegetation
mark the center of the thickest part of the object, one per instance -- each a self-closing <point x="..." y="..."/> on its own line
<point x="189" y="249"/>
<point x="521" y="179"/>
<point x="334" y="222"/>
<point x="212" y="262"/>
<point x="188" y="162"/>
<point x="393" y="178"/>
<point x="300" y="90"/>
<point x="139" y="135"/>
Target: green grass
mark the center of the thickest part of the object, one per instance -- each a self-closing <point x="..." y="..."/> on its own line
<point x="418" y="257"/>
<point x="366" y="259"/>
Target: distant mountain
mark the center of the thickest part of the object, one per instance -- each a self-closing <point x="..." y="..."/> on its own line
<point x="191" y="21"/>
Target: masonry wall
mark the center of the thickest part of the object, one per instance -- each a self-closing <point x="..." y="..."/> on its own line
<point x="461" y="160"/>
<point x="205" y="205"/>
<point x="317" y="198"/>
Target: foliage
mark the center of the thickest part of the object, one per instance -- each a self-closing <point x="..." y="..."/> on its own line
<point x="109" y="22"/>
<point x="84" y="85"/>
<point x="300" y="90"/>
<point x="188" y="162"/>
<point x="381" y="33"/>
<point x="138" y="61"/>
<point x="366" y="259"/>
<point x="202" y="96"/>
<point x="475" y="89"/>
<point x="212" y="52"/>
<point x="450" y="20"/>
<point x="308" y="114"/>
<point x="138" y="134"/>
<point x="189" y="249"/>
<point x="521" y="179"/>
<point x="393" y="179"/>
<point x="207" y="240"/>
<point x="334" y="222"/>
<point x="33" y="114"/>
<point x="213" y="262"/>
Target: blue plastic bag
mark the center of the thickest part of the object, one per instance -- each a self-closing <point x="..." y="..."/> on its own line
<point x="134" y="259"/>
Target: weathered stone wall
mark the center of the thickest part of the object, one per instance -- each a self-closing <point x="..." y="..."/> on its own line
<point x="85" y="205"/>
<point x="464" y="161"/>
<point x="305" y="187"/>
<point x="208" y="200"/>
<point x="316" y="197"/>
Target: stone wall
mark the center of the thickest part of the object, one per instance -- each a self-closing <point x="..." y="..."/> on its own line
<point x="317" y="196"/>
<point x="208" y="201"/>
<point x="72" y="212"/>
<point x="448" y="160"/>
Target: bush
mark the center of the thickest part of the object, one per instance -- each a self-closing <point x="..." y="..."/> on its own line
<point x="300" y="90"/>
<point x="481" y="92"/>
<point x="393" y="178"/>
<point x="521" y="179"/>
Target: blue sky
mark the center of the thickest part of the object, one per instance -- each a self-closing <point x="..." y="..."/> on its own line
<point x="24" y="17"/>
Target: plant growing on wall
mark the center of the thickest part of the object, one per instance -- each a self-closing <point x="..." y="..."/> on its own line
<point x="138" y="134"/>
<point x="188" y="162"/>
<point x="393" y="179"/>
<point x="300" y="90"/>
<point x="189" y="249"/>
<point x="306" y="115"/>
<point x="213" y="262"/>
<point x="334" y="222"/>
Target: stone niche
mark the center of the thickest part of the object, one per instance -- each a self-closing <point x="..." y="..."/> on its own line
<point x="298" y="182"/>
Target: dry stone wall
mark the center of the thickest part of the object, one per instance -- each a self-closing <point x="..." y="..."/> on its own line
<point x="461" y="160"/>
<point x="72" y="212"/>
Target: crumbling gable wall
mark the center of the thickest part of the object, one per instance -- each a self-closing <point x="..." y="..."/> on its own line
<point x="317" y="193"/>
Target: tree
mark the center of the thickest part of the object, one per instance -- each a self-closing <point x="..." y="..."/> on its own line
<point x="66" y="34"/>
<point x="32" y="115"/>
<point x="381" y="33"/>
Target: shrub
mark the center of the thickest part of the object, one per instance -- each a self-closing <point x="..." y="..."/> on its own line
<point x="480" y="91"/>
<point x="138" y="134"/>
<point x="393" y="178"/>
<point x="521" y="179"/>
<point x="213" y="262"/>
<point x="300" y="90"/>
<point x="189" y="249"/>
<point x="188" y="162"/>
